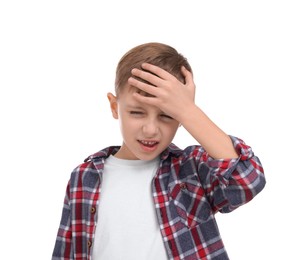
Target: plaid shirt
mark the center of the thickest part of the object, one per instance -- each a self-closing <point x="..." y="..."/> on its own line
<point x="188" y="189"/>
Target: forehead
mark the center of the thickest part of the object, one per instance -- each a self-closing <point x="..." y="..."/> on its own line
<point x="126" y="97"/>
<point x="129" y="90"/>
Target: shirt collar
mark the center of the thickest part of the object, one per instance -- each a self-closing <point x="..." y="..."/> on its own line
<point x="106" y="152"/>
<point x="172" y="149"/>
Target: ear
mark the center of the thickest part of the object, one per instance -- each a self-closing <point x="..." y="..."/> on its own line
<point x="113" y="105"/>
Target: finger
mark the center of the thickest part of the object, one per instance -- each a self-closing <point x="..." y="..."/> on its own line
<point x="187" y="75"/>
<point x="152" y="90"/>
<point x="161" y="73"/>
<point x="147" y="76"/>
<point x="145" y="99"/>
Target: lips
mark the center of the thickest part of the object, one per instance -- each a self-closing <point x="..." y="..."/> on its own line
<point x="148" y="146"/>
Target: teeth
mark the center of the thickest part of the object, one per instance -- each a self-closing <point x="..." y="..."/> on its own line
<point x="148" y="142"/>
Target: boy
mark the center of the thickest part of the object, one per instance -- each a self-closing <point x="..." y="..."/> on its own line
<point x="148" y="199"/>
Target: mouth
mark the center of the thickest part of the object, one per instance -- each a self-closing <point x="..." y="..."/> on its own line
<point x="148" y="145"/>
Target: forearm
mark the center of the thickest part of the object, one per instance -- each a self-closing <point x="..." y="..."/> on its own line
<point x="216" y="142"/>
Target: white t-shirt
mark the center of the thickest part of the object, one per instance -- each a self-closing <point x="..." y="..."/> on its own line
<point x="127" y="226"/>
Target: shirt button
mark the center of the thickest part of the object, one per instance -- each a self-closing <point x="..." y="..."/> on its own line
<point x="93" y="210"/>
<point x="89" y="243"/>
<point x="183" y="185"/>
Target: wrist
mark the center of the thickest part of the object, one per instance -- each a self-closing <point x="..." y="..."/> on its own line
<point x="188" y="113"/>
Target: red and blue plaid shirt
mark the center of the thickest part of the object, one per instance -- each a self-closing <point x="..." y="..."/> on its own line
<point x="188" y="189"/>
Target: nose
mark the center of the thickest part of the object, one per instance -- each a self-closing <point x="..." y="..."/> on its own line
<point x="150" y="128"/>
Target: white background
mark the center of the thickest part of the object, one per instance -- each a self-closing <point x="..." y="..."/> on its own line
<point x="57" y="62"/>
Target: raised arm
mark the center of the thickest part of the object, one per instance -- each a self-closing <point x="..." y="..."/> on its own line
<point x="177" y="100"/>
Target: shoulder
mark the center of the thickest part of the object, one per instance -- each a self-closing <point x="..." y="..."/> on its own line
<point x="92" y="165"/>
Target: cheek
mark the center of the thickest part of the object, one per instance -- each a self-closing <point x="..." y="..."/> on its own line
<point x="128" y="125"/>
<point x="170" y="131"/>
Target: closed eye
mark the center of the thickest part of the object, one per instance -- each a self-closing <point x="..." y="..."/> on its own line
<point x="166" y="116"/>
<point x="136" y="112"/>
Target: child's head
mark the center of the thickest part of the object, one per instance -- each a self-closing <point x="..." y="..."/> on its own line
<point x="159" y="54"/>
<point x="146" y="130"/>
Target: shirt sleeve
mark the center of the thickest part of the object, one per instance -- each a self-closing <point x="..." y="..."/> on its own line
<point x="230" y="183"/>
<point x="63" y="244"/>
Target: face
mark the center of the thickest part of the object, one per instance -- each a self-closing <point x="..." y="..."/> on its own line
<point x="146" y="130"/>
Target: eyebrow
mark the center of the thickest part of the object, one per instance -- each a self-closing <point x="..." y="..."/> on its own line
<point x="141" y="108"/>
<point x="135" y="107"/>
